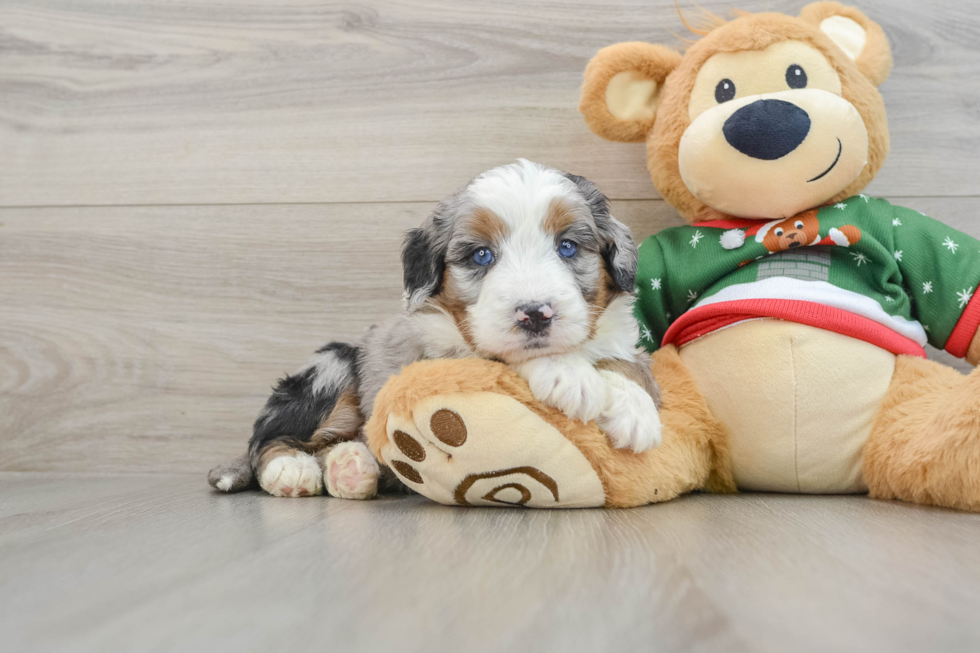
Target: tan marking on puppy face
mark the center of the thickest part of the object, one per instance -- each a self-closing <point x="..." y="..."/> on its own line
<point x="481" y="226"/>
<point x="798" y="231"/>
<point x="560" y="217"/>
<point x="485" y="225"/>
<point x="604" y="292"/>
<point x="450" y="301"/>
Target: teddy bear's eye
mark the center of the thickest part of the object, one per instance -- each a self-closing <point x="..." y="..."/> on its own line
<point x="798" y="224"/>
<point x="796" y="76"/>
<point x="725" y="90"/>
<point x="779" y="232"/>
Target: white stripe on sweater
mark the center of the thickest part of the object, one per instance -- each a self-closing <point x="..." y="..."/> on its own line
<point x="818" y="292"/>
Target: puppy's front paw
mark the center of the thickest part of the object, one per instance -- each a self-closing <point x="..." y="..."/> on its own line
<point x="292" y="475"/>
<point x="351" y="472"/>
<point x="570" y="384"/>
<point x="629" y="417"/>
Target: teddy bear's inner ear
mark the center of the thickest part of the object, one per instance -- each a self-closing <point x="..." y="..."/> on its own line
<point x="859" y="37"/>
<point x="632" y="97"/>
<point x="622" y="88"/>
<point x="846" y="33"/>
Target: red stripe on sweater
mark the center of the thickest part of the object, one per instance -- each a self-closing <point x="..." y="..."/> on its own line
<point x="962" y="335"/>
<point x="702" y="321"/>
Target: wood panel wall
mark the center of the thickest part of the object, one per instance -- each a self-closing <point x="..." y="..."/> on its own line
<point x="195" y="195"/>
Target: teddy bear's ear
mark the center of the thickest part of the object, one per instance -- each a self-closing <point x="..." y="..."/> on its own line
<point x="858" y="36"/>
<point x="622" y="88"/>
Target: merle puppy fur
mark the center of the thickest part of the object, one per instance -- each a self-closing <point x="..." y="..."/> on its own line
<point x="524" y="265"/>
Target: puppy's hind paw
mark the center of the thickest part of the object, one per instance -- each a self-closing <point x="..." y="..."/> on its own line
<point x="629" y="417"/>
<point x="351" y="472"/>
<point x="292" y="475"/>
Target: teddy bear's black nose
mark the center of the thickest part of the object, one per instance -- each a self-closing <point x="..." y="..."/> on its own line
<point x="767" y="129"/>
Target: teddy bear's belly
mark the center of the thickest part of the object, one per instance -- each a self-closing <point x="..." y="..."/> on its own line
<point x="798" y="402"/>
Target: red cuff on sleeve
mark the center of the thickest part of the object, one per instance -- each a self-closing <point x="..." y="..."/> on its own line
<point x="962" y="335"/>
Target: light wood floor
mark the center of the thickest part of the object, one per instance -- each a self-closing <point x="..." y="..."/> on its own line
<point x="194" y="196"/>
<point x="154" y="563"/>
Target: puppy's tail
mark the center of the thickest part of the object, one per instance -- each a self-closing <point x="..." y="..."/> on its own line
<point x="233" y="477"/>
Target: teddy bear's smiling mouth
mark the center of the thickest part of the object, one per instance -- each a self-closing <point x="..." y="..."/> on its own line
<point x="840" y="148"/>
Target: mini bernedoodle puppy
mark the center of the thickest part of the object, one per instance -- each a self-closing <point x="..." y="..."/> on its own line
<point x="524" y="265"/>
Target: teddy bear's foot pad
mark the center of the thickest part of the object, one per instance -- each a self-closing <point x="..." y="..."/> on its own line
<point x="488" y="449"/>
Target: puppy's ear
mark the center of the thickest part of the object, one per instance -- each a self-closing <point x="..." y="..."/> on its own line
<point x="858" y="36"/>
<point x="424" y="255"/>
<point x="617" y="248"/>
<point x="622" y="87"/>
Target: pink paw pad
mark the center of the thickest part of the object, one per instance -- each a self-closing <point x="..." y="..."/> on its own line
<point x="351" y="472"/>
<point x="345" y="477"/>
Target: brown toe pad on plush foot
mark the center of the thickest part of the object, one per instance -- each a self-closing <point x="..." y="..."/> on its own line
<point x="488" y="449"/>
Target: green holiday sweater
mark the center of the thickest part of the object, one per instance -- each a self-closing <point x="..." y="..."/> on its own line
<point x="862" y="267"/>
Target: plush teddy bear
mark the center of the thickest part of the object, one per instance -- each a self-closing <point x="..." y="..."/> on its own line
<point x="787" y="322"/>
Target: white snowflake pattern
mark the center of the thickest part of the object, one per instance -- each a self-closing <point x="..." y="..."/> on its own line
<point x="645" y="333"/>
<point x="950" y="245"/>
<point x="840" y="206"/>
<point x="896" y="222"/>
<point x="889" y="299"/>
<point x="926" y="287"/>
<point x="898" y="255"/>
<point x="655" y="283"/>
<point x="859" y="258"/>
<point x="926" y="327"/>
<point x="864" y="197"/>
<point x="964" y="296"/>
<point x="696" y="238"/>
<point x="691" y="295"/>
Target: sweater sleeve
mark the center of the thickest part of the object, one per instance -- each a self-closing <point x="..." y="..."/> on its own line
<point x="652" y="286"/>
<point x="940" y="269"/>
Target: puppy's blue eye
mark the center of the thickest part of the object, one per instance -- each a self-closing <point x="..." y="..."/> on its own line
<point x="567" y="249"/>
<point x="483" y="256"/>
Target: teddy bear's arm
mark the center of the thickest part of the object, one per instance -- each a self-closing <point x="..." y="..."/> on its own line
<point x="656" y="293"/>
<point x="940" y="268"/>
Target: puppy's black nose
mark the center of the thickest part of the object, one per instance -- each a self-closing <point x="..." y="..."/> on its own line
<point x="534" y="318"/>
<point x="767" y="129"/>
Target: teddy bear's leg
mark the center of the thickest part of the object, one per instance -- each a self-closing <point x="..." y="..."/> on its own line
<point x="470" y="432"/>
<point x="925" y="444"/>
<point x="692" y="456"/>
<point x="457" y="432"/>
